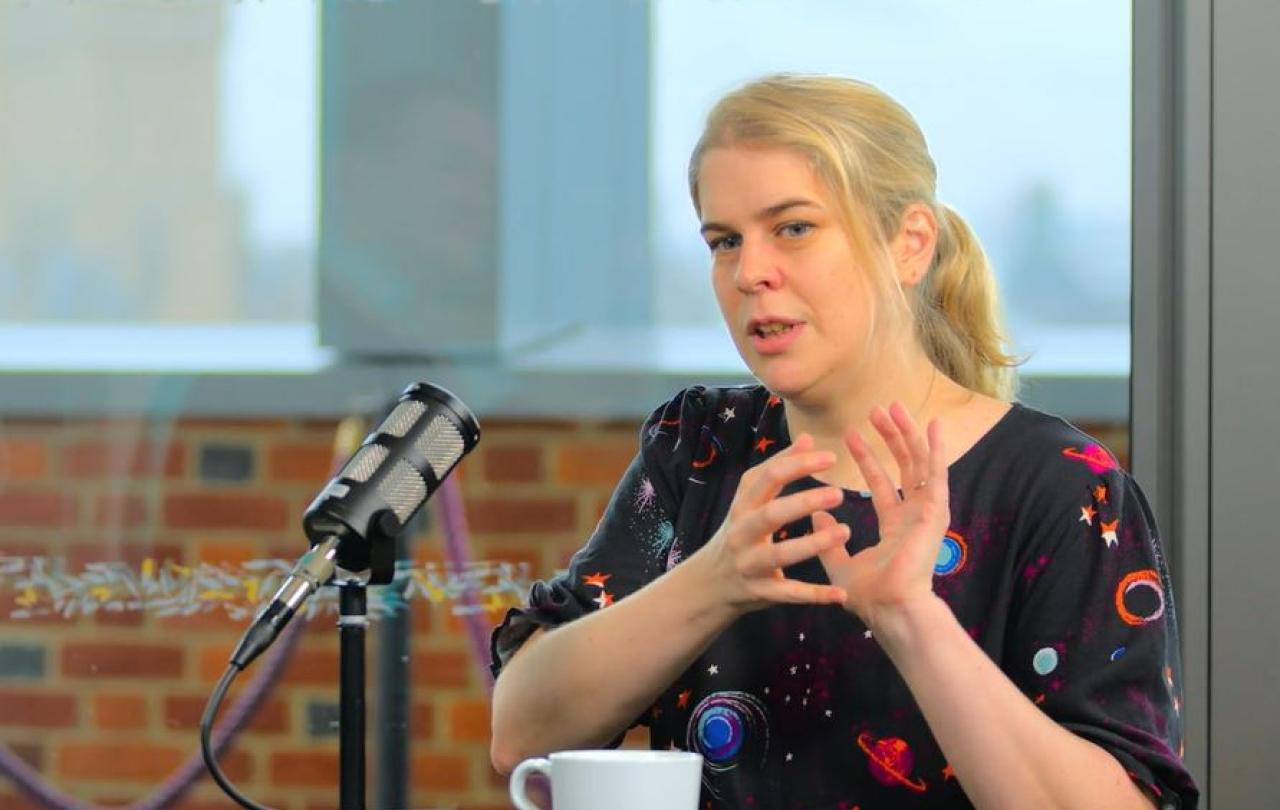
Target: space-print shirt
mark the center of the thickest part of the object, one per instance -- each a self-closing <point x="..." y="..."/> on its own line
<point x="1051" y="563"/>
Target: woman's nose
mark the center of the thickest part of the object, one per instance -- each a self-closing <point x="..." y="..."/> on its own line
<point x="756" y="267"/>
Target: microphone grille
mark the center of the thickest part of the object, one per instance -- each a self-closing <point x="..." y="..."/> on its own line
<point x="365" y="463"/>
<point x="404" y="417"/>
<point x="403" y="489"/>
<point x="441" y="444"/>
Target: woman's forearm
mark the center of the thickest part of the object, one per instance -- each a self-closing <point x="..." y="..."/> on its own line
<point x="1005" y="752"/>
<point x="622" y="657"/>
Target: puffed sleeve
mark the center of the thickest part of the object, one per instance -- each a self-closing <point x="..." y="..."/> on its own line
<point x="1094" y="636"/>
<point x="628" y="548"/>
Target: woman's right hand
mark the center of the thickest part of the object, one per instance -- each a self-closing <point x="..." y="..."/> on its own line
<point x="744" y="560"/>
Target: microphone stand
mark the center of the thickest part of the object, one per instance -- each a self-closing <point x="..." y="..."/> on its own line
<point x="353" y="620"/>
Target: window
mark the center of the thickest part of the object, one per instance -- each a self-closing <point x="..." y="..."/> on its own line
<point x="1026" y="110"/>
<point x="157" y="162"/>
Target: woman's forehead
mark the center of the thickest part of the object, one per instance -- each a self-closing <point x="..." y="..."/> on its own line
<point x="741" y="181"/>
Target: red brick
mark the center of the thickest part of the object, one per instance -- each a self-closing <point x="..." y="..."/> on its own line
<point x="422" y="615"/>
<point x="216" y="619"/>
<point x="237" y="765"/>
<point x="132" y="761"/>
<point x="217" y="510"/>
<point x="14" y="801"/>
<point x="514" y="464"/>
<point x="119" y="618"/>
<point x="120" y="511"/>
<point x="469" y="721"/>
<point x="598" y="507"/>
<point x="422" y="721"/>
<point x="30" y="753"/>
<point x="592" y="464"/>
<point x="95" y="458"/>
<point x="496" y="426"/>
<point x="115" y="712"/>
<point x="527" y="555"/>
<point x="213" y="661"/>
<point x="442" y="669"/>
<point x="36" y="709"/>
<point x="37" y="508"/>
<point x="184" y="712"/>
<point x="299" y="461"/>
<point x="79" y="554"/>
<point x="445" y="772"/>
<point x="23" y="459"/>
<point x="319" y="667"/>
<point x="518" y="515"/>
<point x="122" y="660"/>
<point x="304" y="768"/>
<point x="231" y="423"/>
<point x="228" y="552"/>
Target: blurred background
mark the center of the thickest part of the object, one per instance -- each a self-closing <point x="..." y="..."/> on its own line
<point x="225" y="227"/>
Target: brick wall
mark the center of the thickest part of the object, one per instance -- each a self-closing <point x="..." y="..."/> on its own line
<point x="105" y="706"/>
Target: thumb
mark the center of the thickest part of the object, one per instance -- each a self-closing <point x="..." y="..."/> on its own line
<point x="833" y="557"/>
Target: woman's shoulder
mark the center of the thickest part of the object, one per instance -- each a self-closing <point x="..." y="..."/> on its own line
<point x="702" y="419"/>
<point x="1041" y="452"/>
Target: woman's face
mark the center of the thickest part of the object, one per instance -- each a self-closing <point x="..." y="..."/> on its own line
<point x="789" y="287"/>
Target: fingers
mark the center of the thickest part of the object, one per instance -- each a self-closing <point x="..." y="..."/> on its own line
<point x="763" y="483"/>
<point x="768" y="558"/>
<point x="834" y="555"/>
<point x="883" y="493"/>
<point x="807" y="593"/>
<point x="912" y="445"/>
<point x="767" y="519"/>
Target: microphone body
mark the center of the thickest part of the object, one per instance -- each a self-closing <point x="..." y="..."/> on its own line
<point x="353" y="522"/>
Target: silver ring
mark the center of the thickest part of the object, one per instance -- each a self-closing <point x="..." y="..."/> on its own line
<point x="920" y="485"/>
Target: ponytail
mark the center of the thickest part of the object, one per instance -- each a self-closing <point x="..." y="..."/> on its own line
<point x="957" y="313"/>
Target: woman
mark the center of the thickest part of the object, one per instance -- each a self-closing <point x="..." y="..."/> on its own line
<point x="835" y="608"/>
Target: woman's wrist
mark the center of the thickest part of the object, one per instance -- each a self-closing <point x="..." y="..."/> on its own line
<point x="907" y="626"/>
<point x="705" y="589"/>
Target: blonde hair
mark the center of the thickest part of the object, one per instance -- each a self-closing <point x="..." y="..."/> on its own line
<point x="871" y="155"/>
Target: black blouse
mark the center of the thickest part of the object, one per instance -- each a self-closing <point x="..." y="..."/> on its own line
<point x="1051" y="563"/>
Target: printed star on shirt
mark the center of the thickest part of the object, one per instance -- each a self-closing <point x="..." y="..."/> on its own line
<point x="948" y="773"/>
<point x="1100" y="493"/>
<point x="1109" y="533"/>
<point x="802" y="636"/>
<point x="1087" y="514"/>
<point x="597" y="579"/>
<point x="790" y="756"/>
<point x="867" y="634"/>
<point x="727" y="414"/>
<point x="774" y="399"/>
<point x="793" y="670"/>
<point x="682" y="700"/>
<point x="827" y="712"/>
<point x="604" y="599"/>
<point x="763" y="444"/>
<point x="713" y="670"/>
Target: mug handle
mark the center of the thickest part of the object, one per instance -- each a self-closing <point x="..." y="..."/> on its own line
<point x="521" y="774"/>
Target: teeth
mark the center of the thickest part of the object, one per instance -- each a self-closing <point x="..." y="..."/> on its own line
<point x="773" y="329"/>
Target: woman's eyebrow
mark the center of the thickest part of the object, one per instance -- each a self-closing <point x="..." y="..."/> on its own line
<point x="764" y="213"/>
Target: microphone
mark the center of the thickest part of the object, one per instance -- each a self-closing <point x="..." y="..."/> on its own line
<point x="357" y="516"/>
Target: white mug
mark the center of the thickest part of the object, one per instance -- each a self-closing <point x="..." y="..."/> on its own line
<point x="619" y="780"/>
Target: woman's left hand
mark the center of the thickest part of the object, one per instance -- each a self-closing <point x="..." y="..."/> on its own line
<point x="897" y="572"/>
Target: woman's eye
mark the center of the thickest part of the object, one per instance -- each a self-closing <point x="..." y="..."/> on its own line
<point x="794" y="229"/>
<point x="724" y="243"/>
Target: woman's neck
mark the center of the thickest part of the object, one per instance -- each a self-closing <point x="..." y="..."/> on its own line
<point x="924" y="390"/>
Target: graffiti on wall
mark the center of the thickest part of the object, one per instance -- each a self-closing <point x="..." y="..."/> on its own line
<point x="37" y="586"/>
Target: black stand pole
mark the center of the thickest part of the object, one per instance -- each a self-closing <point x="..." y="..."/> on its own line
<point x="352" y="621"/>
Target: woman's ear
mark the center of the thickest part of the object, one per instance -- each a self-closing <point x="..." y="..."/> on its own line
<point x="914" y="245"/>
